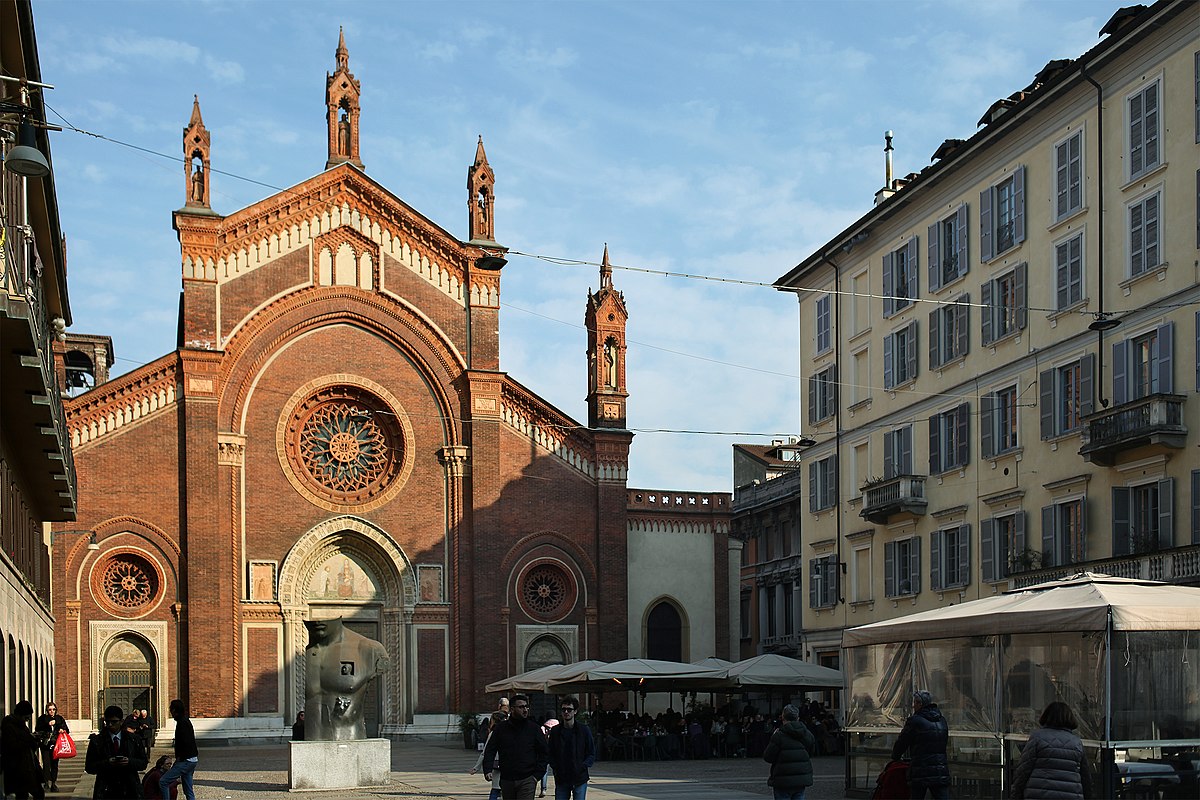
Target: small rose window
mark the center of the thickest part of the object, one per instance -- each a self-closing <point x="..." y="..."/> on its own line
<point x="129" y="582"/>
<point x="547" y="591"/>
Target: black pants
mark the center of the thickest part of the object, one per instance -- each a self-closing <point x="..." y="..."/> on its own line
<point x="49" y="765"/>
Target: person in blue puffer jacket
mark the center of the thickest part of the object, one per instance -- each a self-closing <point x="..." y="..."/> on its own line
<point x="1053" y="765"/>
<point x="924" y="738"/>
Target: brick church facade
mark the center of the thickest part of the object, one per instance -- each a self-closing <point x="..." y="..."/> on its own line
<point x="334" y="436"/>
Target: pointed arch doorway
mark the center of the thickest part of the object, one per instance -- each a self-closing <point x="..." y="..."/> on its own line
<point x="128" y="675"/>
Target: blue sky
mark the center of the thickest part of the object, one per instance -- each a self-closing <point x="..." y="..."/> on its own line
<point x="725" y="139"/>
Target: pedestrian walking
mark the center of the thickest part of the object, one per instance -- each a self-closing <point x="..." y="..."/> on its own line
<point x="522" y="750"/>
<point x="492" y="774"/>
<point x="790" y="754"/>
<point x="924" y="738"/>
<point x="47" y="728"/>
<point x="187" y="755"/>
<point x="18" y="754"/>
<point x="1053" y="764"/>
<point x="572" y="753"/>
<point x="115" y="757"/>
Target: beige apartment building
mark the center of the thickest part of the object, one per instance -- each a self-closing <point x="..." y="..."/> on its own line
<point x="1003" y="352"/>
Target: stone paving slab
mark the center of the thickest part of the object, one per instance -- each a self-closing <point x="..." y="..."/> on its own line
<point x="438" y="770"/>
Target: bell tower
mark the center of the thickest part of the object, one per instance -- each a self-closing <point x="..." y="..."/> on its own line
<point x="605" y="321"/>
<point x="481" y="199"/>
<point x="341" y="98"/>
<point x="197" y="144"/>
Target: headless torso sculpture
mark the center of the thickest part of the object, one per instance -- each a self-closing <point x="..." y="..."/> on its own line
<point x="338" y="665"/>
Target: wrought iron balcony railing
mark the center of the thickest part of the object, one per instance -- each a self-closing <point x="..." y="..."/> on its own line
<point x="1155" y="419"/>
<point x="901" y="494"/>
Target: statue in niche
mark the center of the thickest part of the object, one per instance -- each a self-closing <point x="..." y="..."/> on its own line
<point x="344" y="133"/>
<point x="610" y="353"/>
<point x="198" y="182"/>
<point x="338" y="665"/>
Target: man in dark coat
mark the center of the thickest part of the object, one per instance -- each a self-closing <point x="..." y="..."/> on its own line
<point x="572" y="753"/>
<point x="790" y="755"/>
<point x="924" y="738"/>
<point x="115" y="757"/>
<point x="187" y="753"/>
<point x="522" y="749"/>
<point x="18" y="754"/>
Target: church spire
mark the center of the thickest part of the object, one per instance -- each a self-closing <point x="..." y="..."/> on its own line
<point x="197" y="144"/>
<point x="342" y="91"/>
<point x="605" y="321"/>
<point x="481" y="200"/>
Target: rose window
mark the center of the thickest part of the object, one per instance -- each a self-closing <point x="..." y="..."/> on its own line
<point x="129" y="582"/>
<point x="346" y="444"/>
<point x="547" y="591"/>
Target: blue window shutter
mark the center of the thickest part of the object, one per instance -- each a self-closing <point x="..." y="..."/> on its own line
<point x="889" y="303"/>
<point x="935" y="560"/>
<point x="905" y="466"/>
<point x="1049" y="537"/>
<point x="814" y="599"/>
<point x="910" y="350"/>
<point x="935" y="260"/>
<point x="1196" y="506"/>
<point x="962" y="420"/>
<point x="935" y="444"/>
<point x="964" y="266"/>
<point x="889" y="463"/>
<point x="832" y="387"/>
<point x="1019" y="205"/>
<point x="812" y="398"/>
<point x="914" y="272"/>
<point x="1018" y="544"/>
<point x="1046" y="402"/>
<point x="812" y="486"/>
<point x="831" y="482"/>
<point x="1083" y="530"/>
<point x="889" y="375"/>
<point x="987" y="550"/>
<point x="1120" y="520"/>
<point x="1166" y="513"/>
<point x="889" y="569"/>
<point x="986" y="404"/>
<point x="831" y="581"/>
<point x="986" y="233"/>
<point x="962" y="326"/>
<point x="1019" y="280"/>
<point x="987" y="313"/>
<point x="1166" y="357"/>
<point x="914" y="565"/>
<point x="1120" y="366"/>
<point x="935" y="359"/>
<point x="1087" y="380"/>
<point x="964" y="553"/>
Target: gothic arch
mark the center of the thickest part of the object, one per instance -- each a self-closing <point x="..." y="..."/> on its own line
<point x="665" y="610"/>
<point x="127" y="532"/>
<point x="262" y="336"/>
<point x="397" y="585"/>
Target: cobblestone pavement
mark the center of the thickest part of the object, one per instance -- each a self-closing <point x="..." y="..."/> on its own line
<point x="438" y="770"/>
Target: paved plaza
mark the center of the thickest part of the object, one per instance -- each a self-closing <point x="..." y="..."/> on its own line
<point x="439" y="770"/>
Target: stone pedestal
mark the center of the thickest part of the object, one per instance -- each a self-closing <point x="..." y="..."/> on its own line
<point x="353" y="764"/>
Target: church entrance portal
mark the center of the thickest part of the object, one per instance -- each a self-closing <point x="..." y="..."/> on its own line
<point x="128" y="678"/>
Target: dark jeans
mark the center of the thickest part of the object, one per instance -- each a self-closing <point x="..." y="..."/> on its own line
<point x="936" y="792"/>
<point x="49" y="766"/>
<point x="524" y="789"/>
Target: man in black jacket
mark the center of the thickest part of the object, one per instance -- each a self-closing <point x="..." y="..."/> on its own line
<point x="924" y="737"/>
<point x="186" y="754"/>
<point x="572" y="752"/>
<point x="522" y="750"/>
<point x="115" y="757"/>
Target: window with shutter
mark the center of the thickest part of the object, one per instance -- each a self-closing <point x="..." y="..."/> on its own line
<point x="1002" y="215"/>
<point x="900" y="278"/>
<point x="950" y="558"/>
<point x="1065" y="396"/>
<point x="1144" y="233"/>
<point x="1005" y="312"/>
<point x="948" y="332"/>
<point x="1068" y="176"/>
<point x="900" y="356"/>
<point x="1196" y="506"/>
<point x="1068" y="272"/>
<point x="824" y="324"/>
<point x="1142" y="108"/>
<point x="1064" y="533"/>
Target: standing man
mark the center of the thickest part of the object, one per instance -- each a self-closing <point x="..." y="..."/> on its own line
<point x="572" y="752"/>
<point x="186" y="754"/>
<point x="522" y="751"/>
<point x="924" y="737"/>
<point x="115" y="757"/>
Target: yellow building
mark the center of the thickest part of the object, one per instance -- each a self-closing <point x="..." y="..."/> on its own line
<point x="1003" y="350"/>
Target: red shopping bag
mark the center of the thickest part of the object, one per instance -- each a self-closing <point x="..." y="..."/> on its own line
<point x="64" y="746"/>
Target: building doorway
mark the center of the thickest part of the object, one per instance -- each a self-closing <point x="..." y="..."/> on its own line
<point x="542" y="652"/>
<point x="128" y="677"/>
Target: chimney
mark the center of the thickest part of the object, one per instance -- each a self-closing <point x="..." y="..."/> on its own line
<point x="888" y="188"/>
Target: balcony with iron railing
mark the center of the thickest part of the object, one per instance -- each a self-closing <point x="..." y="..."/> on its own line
<point x="1155" y="419"/>
<point x="903" y="494"/>
<point x="1179" y="565"/>
<point x="30" y="397"/>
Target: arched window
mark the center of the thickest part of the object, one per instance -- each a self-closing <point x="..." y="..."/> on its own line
<point x="546" y="650"/>
<point x="664" y="633"/>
